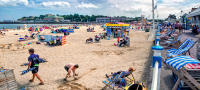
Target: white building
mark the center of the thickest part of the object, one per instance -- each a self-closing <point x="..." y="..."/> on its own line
<point x="103" y="19"/>
<point x="195" y="16"/>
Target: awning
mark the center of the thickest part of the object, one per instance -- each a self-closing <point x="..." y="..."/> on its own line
<point x="194" y="13"/>
<point x="119" y="25"/>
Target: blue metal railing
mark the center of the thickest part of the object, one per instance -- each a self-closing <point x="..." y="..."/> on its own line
<point x="157" y="61"/>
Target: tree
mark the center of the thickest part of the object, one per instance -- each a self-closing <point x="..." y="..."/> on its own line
<point x="172" y="16"/>
<point x="41" y="16"/>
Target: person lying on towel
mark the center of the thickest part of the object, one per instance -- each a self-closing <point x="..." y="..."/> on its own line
<point x="122" y="73"/>
<point x="118" y="78"/>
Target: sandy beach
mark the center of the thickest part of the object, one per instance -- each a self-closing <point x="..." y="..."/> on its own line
<point x="95" y="60"/>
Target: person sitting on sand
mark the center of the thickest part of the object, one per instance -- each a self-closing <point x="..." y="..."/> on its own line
<point x="34" y="62"/>
<point x="58" y="41"/>
<point x="26" y="36"/>
<point x="33" y="36"/>
<point x="97" y="38"/>
<point x="71" y="67"/>
<point x="89" y="40"/>
<point x="42" y="38"/>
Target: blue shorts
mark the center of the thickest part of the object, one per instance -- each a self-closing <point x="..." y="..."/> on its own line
<point x="35" y="70"/>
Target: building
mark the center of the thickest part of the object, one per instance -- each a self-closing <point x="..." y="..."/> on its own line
<point x="53" y="18"/>
<point x="194" y="15"/>
<point x="171" y="19"/>
<point x="103" y="19"/>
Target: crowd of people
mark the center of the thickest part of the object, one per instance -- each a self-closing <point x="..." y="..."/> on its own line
<point x="195" y="29"/>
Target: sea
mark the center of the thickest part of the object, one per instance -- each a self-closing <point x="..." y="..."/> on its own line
<point x="15" y="26"/>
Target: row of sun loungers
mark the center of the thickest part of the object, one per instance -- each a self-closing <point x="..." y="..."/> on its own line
<point x="185" y="69"/>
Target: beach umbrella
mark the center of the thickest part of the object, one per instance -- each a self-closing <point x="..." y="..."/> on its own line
<point x="36" y="29"/>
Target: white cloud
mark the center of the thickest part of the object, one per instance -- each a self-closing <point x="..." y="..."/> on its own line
<point x="131" y="7"/>
<point x="87" y="5"/>
<point x="55" y="4"/>
<point x="144" y="7"/>
<point x="174" y="7"/>
<point x="13" y="2"/>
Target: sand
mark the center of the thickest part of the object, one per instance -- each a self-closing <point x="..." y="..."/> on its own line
<point x="95" y="60"/>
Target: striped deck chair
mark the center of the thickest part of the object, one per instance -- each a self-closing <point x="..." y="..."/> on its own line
<point x="110" y="82"/>
<point x="183" y="50"/>
<point x="174" y="41"/>
<point x="180" y="61"/>
<point x="180" y="47"/>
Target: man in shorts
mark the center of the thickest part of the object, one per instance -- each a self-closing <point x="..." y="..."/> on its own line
<point x="34" y="63"/>
<point x="69" y="68"/>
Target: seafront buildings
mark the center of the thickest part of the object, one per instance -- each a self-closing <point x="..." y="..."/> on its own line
<point x="195" y="16"/>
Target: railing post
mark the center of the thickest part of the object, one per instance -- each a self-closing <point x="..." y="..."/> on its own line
<point x="157" y="62"/>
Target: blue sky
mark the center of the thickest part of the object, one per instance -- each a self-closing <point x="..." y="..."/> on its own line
<point x="14" y="9"/>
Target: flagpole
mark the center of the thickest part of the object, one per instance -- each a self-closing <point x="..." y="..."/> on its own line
<point x="153" y="17"/>
<point x="152" y="32"/>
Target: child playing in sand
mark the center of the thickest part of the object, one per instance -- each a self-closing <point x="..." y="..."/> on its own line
<point x="71" y="67"/>
<point x="34" y="62"/>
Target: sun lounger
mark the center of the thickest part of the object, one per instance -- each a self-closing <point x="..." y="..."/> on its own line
<point x="182" y="76"/>
<point x="182" y="50"/>
<point x="173" y="41"/>
<point x="181" y="46"/>
<point x="111" y="82"/>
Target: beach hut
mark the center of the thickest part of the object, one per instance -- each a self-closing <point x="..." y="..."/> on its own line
<point x="117" y="29"/>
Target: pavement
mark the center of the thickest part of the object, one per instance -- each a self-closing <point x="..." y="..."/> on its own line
<point x="166" y="79"/>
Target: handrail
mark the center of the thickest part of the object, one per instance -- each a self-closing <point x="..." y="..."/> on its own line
<point x="157" y="61"/>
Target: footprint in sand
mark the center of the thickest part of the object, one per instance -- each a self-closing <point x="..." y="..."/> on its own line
<point x="73" y="85"/>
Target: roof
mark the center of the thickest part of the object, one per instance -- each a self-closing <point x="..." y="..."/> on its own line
<point x="194" y="13"/>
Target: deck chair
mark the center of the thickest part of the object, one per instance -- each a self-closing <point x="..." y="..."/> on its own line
<point x="183" y="50"/>
<point x="173" y="41"/>
<point x="181" y="46"/>
<point x="110" y="82"/>
<point x="168" y="35"/>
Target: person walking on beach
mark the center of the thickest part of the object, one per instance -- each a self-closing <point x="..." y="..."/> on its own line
<point x="33" y="62"/>
<point x="71" y="67"/>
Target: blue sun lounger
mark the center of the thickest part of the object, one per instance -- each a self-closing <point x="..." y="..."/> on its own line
<point x="180" y="61"/>
<point x="183" y="49"/>
<point x="181" y="46"/>
<point x="174" y="41"/>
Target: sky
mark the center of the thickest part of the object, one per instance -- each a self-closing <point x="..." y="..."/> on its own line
<point x="14" y="9"/>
